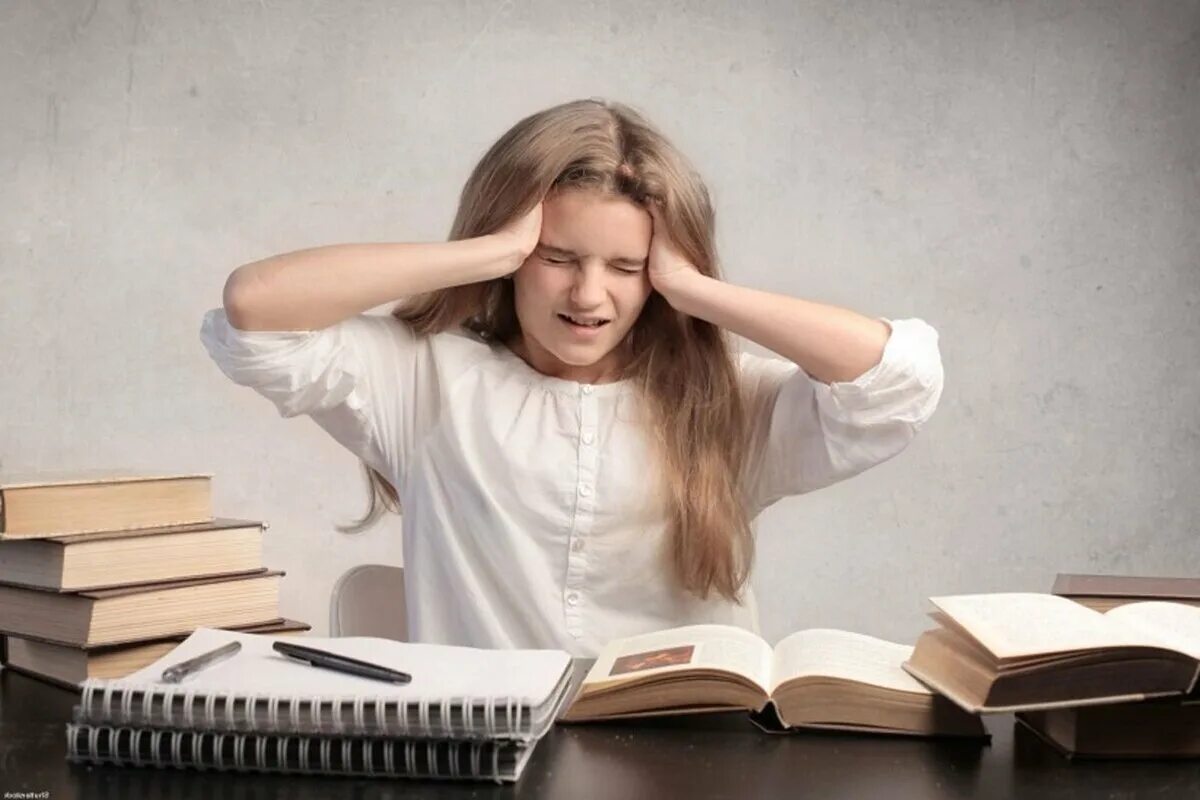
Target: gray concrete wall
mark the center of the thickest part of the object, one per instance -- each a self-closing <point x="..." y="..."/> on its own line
<point x="1025" y="176"/>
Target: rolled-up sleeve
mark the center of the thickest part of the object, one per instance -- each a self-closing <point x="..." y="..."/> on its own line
<point x="805" y="434"/>
<point x="345" y="377"/>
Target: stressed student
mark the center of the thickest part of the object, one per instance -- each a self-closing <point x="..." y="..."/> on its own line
<point x="554" y="405"/>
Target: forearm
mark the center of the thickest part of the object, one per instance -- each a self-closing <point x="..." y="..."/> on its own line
<point x="828" y="342"/>
<point x="317" y="287"/>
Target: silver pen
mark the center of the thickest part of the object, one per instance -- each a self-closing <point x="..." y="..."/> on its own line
<point x="178" y="672"/>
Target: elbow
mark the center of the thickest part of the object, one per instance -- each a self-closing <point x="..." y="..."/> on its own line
<point x="932" y="383"/>
<point x="237" y="298"/>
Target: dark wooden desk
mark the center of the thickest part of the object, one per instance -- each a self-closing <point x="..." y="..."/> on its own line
<point x="719" y="756"/>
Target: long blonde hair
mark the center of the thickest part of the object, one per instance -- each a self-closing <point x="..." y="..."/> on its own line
<point x="682" y="366"/>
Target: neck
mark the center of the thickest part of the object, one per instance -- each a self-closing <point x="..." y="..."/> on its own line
<point x="607" y="370"/>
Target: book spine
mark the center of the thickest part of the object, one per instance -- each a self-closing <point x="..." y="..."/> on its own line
<point x="113" y="703"/>
<point x="248" y="752"/>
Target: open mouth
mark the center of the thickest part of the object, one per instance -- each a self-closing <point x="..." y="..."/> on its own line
<point x="584" y="323"/>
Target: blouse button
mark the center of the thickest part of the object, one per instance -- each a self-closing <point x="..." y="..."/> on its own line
<point x="577" y="545"/>
<point x="589" y="437"/>
<point x="585" y="490"/>
<point x="573" y="599"/>
<point x="587" y="388"/>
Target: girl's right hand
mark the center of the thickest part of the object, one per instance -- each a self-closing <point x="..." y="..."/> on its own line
<point x="522" y="236"/>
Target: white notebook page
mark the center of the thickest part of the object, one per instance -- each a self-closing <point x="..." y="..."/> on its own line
<point x="439" y="671"/>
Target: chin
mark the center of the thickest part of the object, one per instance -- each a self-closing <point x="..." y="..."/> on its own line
<point x="583" y="356"/>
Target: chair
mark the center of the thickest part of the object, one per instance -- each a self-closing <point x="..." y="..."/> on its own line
<point x="368" y="600"/>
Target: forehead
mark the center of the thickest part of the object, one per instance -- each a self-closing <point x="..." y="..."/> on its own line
<point x="588" y="222"/>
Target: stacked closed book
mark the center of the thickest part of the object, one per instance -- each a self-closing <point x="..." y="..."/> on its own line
<point x="101" y="572"/>
<point x="1162" y="728"/>
<point x="1104" y="592"/>
<point x="467" y="713"/>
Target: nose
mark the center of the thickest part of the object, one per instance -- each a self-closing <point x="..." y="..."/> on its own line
<point x="588" y="289"/>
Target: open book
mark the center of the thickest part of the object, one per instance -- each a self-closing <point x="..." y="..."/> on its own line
<point x="812" y="679"/>
<point x="1017" y="651"/>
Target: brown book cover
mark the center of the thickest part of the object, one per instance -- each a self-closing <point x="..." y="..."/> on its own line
<point x="38" y="505"/>
<point x="214" y="524"/>
<point x="145" y="555"/>
<point x="69" y="666"/>
<point x="1152" y="729"/>
<point x="1132" y="586"/>
<point x="129" y="613"/>
<point x="146" y="588"/>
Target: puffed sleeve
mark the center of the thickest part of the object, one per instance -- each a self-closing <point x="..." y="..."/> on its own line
<point x="806" y="434"/>
<point x="348" y="377"/>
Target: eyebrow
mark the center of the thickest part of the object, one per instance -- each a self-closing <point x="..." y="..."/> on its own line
<point x="562" y="251"/>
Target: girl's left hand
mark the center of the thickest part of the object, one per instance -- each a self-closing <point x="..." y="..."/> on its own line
<point x="666" y="265"/>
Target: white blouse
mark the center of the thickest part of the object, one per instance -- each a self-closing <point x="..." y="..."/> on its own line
<point x="526" y="506"/>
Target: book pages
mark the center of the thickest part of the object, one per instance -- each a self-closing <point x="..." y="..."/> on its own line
<point x="684" y="649"/>
<point x="1175" y="625"/>
<point x="1015" y="625"/>
<point x="846" y="656"/>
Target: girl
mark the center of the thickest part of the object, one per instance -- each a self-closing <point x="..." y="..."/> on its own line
<point x="554" y="406"/>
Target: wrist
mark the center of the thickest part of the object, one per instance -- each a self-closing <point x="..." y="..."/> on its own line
<point x="507" y="254"/>
<point x="678" y="287"/>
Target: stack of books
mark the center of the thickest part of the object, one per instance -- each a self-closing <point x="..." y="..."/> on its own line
<point x="465" y="712"/>
<point x="1117" y="683"/>
<point x="102" y="572"/>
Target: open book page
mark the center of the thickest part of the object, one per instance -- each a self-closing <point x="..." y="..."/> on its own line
<point x="845" y="655"/>
<point x="1014" y="625"/>
<point x="1175" y="625"/>
<point x="438" y="671"/>
<point x="691" y="647"/>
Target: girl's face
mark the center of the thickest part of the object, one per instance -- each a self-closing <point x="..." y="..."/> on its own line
<point x="583" y="287"/>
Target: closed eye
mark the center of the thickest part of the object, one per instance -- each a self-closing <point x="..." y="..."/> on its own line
<point x="626" y="270"/>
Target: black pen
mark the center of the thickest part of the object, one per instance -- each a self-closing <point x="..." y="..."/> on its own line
<point x="340" y="663"/>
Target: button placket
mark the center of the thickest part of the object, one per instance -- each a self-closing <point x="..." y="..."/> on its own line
<point x="573" y="597"/>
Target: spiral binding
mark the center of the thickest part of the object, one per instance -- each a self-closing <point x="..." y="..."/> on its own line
<point x="249" y="752"/>
<point x="173" y="707"/>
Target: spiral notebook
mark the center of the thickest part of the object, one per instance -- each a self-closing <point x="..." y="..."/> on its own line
<point x="499" y="761"/>
<point x="456" y="692"/>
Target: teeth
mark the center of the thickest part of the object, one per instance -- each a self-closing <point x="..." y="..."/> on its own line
<point x="589" y="323"/>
